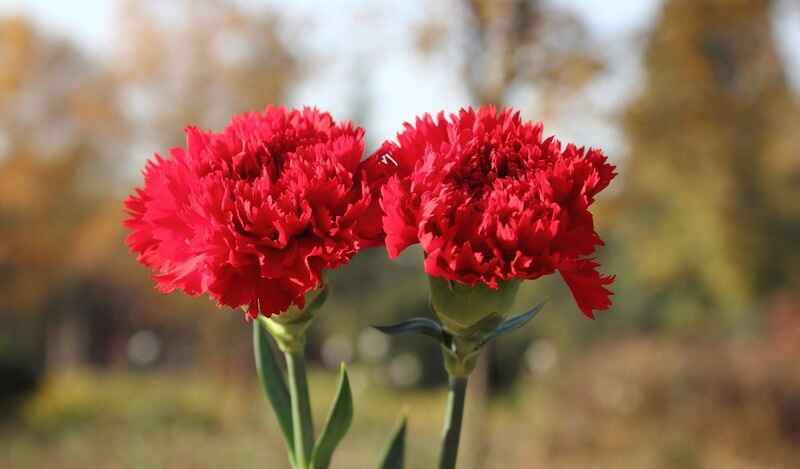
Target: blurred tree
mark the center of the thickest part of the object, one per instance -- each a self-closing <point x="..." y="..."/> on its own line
<point x="188" y="62"/>
<point x="510" y="44"/>
<point x="711" y="220"/>
<point x="56" y="119"/>
<point x="68" y="125"/>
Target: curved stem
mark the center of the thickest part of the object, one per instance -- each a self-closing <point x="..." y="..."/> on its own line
<point x="452" y="422"/>
<point x="301" y="407"/>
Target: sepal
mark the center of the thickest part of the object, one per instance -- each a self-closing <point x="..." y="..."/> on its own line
<point x="420" y="326"/>
<point x="461" y="350"/>
<point x="512" y="324"/>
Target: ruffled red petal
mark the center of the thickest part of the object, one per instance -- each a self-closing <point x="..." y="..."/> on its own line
<point x="490" y="200"/>
<point x="252" y="215"/>
<point x="587" y="285"/>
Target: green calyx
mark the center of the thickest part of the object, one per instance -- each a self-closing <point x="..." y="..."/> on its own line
<point x="470" y="311"/>
<point x="470" y="316"/>
<point x="289" y="328"/>
<point x="460" y="356"/>
<point x="290" y="337"/>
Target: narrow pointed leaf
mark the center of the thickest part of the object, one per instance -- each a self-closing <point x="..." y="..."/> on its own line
<point x="336" y="427"/>
<point x="394" y="454"/>
<point x="513" y="324"/>
<point x="274" y="383"/>
<point x="422" y="326"/>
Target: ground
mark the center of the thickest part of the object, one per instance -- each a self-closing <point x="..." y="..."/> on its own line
<point x="634" y="405"/>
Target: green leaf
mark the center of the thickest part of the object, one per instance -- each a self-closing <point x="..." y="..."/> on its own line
<point x="422" y="326"/>
<point x="336" y="427"/>
<point x="274" y="383"/>
<point x="512" y="324"/>
<point x="394" y="454"/>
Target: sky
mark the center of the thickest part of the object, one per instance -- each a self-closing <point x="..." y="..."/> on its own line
<point x="91" y="21"/>
<point x="406" y="83"/>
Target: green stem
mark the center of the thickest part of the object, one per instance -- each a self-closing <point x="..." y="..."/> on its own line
<point x="452" y="422"/>
<point x="301" y="407"/>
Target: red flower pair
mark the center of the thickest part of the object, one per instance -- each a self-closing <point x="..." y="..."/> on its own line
<point x="254" y="214"/>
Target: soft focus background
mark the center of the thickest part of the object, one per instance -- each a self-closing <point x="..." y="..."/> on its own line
<point x="697" y="101"/>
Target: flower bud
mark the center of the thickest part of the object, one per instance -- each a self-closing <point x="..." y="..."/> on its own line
<point x="471" y="310"/>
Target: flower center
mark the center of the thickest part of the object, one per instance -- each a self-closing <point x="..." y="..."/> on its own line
<point x="483" y="166"/>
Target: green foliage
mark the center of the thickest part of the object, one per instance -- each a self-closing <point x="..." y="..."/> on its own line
<point x="394" y="454"/>
<point x="339" y="420"/>
<point x="274" y="383"/>
<point x="703" y="223"/>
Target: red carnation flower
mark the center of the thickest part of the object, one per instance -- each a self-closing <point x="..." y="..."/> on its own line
<point x="252" y="215"/>
<point x="489" y="200"/>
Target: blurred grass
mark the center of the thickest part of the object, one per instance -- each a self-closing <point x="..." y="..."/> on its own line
<point x="127" y="420"/>
<point x="627" y="404"/>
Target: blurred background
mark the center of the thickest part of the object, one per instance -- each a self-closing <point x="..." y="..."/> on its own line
<point x="696" y="101"/>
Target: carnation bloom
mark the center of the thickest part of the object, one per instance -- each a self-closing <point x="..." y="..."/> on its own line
<point x="253" y="215"/>
<point x="491" y="201"/>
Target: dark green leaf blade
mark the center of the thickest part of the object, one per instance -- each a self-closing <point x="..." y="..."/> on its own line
<point x="422" y="326"/>
<point x="513" y="324"/>
<point x="273" y="382"/>
<point x="336" y="427"/>
<point x="394" y="454"/>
